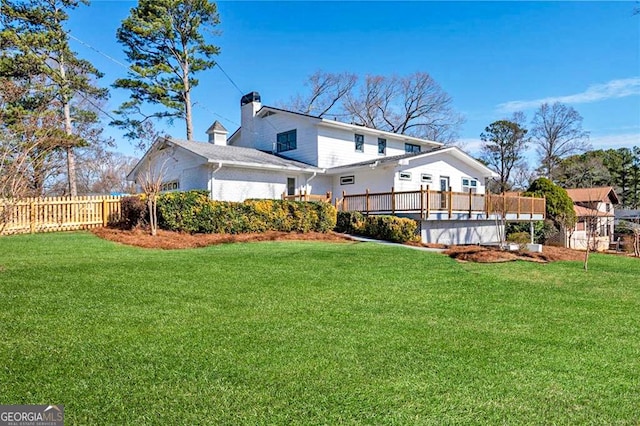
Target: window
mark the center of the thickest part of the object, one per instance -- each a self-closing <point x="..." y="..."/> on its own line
<point x="426" y="178"/>
<point x="291" y="186"/>
<point x="347" y="180"/>
<point x="405" y="175"/>
<point x="411" y="148"/>
<point x="469" y="184"/>
<point x="382" y="146"/>
<point x="170" y="186"/>
<point x="359" y="143"/>
<point x="287" y="141"/>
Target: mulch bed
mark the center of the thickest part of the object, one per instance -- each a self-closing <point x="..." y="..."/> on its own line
<point x="168" y="240"/>
<point x="483" y="254"/>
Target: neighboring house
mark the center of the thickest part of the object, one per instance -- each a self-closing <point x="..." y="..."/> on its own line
<point x="594" y="209"/>
<point x="277" y="153"/>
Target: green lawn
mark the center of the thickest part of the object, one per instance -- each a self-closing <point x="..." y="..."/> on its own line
<point x="314" y="333"/>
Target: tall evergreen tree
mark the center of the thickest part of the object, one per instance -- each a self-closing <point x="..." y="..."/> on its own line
<point x="504" y="143"/>
<point x="165" y="45"/>
<point x="35" y="47"/>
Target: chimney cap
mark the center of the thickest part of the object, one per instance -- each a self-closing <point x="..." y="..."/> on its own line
<point x="249" y="98"/>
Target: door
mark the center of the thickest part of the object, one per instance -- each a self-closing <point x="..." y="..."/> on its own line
<point x="444" y="186"/>
<point x="291" y="186"/>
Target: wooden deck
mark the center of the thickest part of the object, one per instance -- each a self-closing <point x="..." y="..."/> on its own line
<point x="444" y="204"/>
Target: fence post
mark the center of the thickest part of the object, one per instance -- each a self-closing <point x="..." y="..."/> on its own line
<point x="32" y="217"/>
<point x="421" y="201"/>
<point x="366" y="201"/>
<point x="105" y="212"/>
<point x="393" y="201"/>
<point x="518" y="207"/>
<point x="329" y="196"/>
<point x="487" y="203"/>
<point x="450" y="202"/>
<point x="344" y="195"/>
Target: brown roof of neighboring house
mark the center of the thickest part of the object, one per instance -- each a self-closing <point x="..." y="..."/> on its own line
<point x="587" y="212"/>
<point x="604" y="194"/>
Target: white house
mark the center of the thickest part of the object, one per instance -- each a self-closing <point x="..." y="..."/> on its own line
<point x="277" y="152"/>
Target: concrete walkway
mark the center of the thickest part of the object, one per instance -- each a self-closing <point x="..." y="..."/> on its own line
<point x="388" y="243"/>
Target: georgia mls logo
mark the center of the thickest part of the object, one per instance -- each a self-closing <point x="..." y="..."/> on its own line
<point x="31" y="415"/>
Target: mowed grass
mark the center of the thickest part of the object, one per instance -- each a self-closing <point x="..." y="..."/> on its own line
<point x="314" y="333"/>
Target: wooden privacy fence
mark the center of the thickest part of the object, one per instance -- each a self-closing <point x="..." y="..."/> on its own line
<point x="57" y="213"/>
<point x="426" y="201"/>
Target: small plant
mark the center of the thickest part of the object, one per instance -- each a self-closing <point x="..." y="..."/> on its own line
<point x="134" y="212"/>
<point x="519" y="238"/>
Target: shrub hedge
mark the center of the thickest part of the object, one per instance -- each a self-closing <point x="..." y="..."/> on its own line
<point x="194" y="212"/>
<point x="390" y="228"/>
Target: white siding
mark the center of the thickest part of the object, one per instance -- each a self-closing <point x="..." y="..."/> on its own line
<point x="175" y="164"/>
<point x="336" y="147"/>
<point x="239" y="184"/>
<point x="375" y="180"/>
<point x="261" y="133"/>
<point x="438" y="165"/>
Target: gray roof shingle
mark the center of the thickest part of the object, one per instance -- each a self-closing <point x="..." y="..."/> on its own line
<point x="236" y="154"/>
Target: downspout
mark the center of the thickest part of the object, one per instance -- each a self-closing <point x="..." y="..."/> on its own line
<point x="306" y="188"/>
<point x="210" y="184"/>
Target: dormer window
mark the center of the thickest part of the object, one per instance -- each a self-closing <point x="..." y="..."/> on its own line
<point x="411" y="148"/>
<point x="359" y="139"/>
<point x="287" y="141"/>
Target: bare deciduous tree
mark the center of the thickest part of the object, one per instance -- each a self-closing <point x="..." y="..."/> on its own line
<point x="326" y="90"/>
<point x="415" y="105"/>
<point x="557" y="131"/>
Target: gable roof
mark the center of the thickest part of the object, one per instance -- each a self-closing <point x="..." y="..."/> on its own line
<point x="585" y="195"/>
<point x="227" y="155"/>
<point x="267" y="110"/>
<point x="456" y="152"/>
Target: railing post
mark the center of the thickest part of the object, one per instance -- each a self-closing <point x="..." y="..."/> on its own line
<point x="470" y="202"/>
<point x="450" y="202"/>
<point x="366" y="202"/>
<point x="344" y="195"/>
<point x="393" y="201"/>
<point x="504" y="206"/>
<point x="428" y="202"/>
<point x="421" y="201"/>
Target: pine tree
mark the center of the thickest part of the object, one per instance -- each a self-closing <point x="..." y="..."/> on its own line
<point x="35" y="47"/>
<point x="164" y="43"/>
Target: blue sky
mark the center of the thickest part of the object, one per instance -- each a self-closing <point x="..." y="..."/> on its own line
<point x="493" y="58"/>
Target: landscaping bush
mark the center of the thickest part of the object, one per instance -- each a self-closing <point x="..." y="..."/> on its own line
<point x="133" y="212"/>
<point x="390" y="228"/>
<point x="192" y="212"/>
<point x="350" y="222"/>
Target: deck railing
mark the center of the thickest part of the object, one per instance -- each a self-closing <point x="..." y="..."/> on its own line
<point x="426" y="201"/>
<point x="304" y="196"/>
<point x="57" y="213"/>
